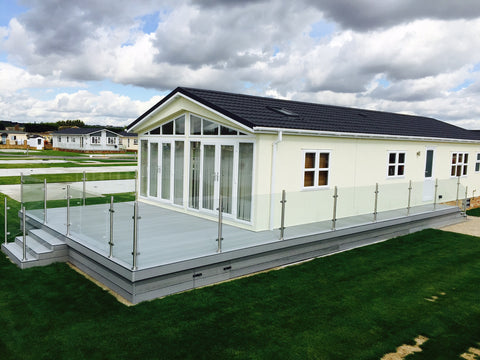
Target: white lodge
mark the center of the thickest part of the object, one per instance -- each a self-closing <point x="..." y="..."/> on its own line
<point x="196" y="145"/>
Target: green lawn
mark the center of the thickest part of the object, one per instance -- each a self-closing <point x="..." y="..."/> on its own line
<point x="474" y="212"/>
<point x="359" y="304"/>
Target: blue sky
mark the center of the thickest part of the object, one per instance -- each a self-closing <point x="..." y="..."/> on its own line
<point x="108" y="61"/>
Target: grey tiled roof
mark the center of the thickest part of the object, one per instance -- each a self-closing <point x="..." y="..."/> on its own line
<point x="255" y="111"/>
<point x="80" y="131"/>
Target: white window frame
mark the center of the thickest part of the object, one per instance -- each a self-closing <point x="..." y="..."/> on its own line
<point x="397" y="164"/>
<point x="316" y="169"/>
<point x="111" y="140"/>
<point x="455" y="163"/>
<point x="95" y="140"/>
<point x="477" y="163"/>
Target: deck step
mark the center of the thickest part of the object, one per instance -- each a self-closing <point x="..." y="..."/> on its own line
<point x="34" y="247"/>
<point x="14" y="251"/>
<point x="47" y="239"/>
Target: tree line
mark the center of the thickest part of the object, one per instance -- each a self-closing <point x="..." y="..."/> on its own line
<point x="50" y="126"/>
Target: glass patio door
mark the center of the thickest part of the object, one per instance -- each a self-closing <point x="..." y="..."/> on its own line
<point x="217" y="176"/>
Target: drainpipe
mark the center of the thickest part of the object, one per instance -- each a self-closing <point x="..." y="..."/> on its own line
<point x="272" y="177"/>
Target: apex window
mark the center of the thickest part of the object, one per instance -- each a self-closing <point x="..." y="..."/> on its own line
<point x="459" y="164"/>
<point x="396" y="163"/>
<point x="316" y="169"/>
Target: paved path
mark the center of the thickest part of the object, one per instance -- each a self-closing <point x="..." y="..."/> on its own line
<point x="469" y="227"/>
<point x="63" y="170"/>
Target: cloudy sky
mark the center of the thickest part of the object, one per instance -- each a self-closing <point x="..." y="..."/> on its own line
<point x="108" y="61"/>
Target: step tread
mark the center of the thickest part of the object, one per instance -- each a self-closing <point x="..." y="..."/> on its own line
<point x="16" y="250"/>
<point x="46" y="237"/>
<point x="33" y="244"/>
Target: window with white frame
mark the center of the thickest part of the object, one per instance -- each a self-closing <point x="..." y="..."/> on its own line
<point x="477" y="163"/>
<point x="111" y="140"/>
<point x="459" y="164"/>
<point x="396" y="163"/>
<point x="59" y="139"/>
<point x="316" y="169"/>
<point x="95" y="140"/>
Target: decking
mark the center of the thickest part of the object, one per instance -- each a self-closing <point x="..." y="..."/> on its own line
<point x="177" y="252"/>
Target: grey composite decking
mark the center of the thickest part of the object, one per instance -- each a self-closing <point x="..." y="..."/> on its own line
<point x="178" y="252"/>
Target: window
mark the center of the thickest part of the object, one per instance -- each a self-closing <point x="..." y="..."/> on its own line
<point x="477" y="163"/>
<point x="135" y="142"/>
<point x="396" y="163"/>
<point x="459" y="164"/>
<point x="200" y="126"/>
<point x="95" y="140"/>
<point x="59" y="139"/>
<point x="111" y="140"/>
<point x="316" y="169"/>
<point x="73" y="139"/>
<point x="68" y="139"/>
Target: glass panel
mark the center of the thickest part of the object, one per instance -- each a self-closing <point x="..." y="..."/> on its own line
<point x="194" y="174"/>
<point x="465" y="159"/>
<point x="178" y="174"/>
<point x="209" y="128"/>
<point x="477" y="166"/>
<point x="322" y="178"/>
<point x="167" y="129"/>
<point x="454" y="158"/>
<point x="155" y="131"/>
<point x="143" y="167"/>
<point x="309" y="160"/>
<point x="401" y="170"/>
<point x="391" y="170"/>
<point x="227" y="131"/>
<point x="244" y="190"/>
<point x="166" y="152"/>
<point x="308" y="179"/>
<point x="324" y="161"/>
<point x="226" y="177"/>
<point x="195" y="125"/>
<point x="460" y="158"/>
<point x="429" y="164"/>
<point x="452" y="173"/>
<point x="401" y="158"/>
<point x="392" y="158"/>
<point x="464" y="169"/>
<point x="154" y="169"/>
<point x="478" y="156"/>
<point x="180" y="125"/>
<point x="459" y="170"/>
<point x="208" y="176"/>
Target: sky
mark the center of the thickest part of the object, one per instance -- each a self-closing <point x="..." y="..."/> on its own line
<point x="108" y="61"/>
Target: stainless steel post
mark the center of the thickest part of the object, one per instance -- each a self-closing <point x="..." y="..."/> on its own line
<point x="21" y="189"/>
<point x="465" y="200"/>
<point x="44" y="201"/>
<point x="68" y="210"/>
<point x="84" y="195"/>
<point x="136" y="184"/>
<point x="435" y="196"/>
<point x="220" y="211"/>
<point x="282" y="219"/>
<point x="376" y="203"/>
<point x="458" y="191"/>
<point x="409" y="196"/>
<point x="135" y="235"/>
<point x="6" y="219"/>
<point x="334" y="219"/>
<point x="24" y="230"/>
<point x="111" y="227"/>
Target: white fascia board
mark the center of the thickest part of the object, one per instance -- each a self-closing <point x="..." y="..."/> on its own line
<point x="193" y="101"/>
<point x="269" y="130"/>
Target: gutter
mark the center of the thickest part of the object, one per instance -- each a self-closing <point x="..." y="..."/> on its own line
<point x="272" y="177"/>
<point x="272" y="130"/>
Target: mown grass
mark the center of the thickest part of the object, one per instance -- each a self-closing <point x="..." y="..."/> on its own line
<point x="359" y="304"/>
<point x="474" y="212"/>
<point x="72" y="177"/>
<point x="64" y="165"/>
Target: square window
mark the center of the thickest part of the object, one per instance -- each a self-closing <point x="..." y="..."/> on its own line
<point x="396" y="163"/>
<point x="315" y="172"/>
<point x="460" y="164"/>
